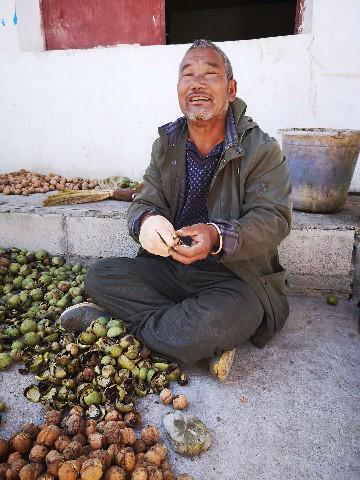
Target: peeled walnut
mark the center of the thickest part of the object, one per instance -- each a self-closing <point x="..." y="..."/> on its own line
<point x="167" y="474"/>
<point x="184" y="476"/>
<point x="166" y="396"/>
<point x="18" y="465"/>
<point x="3" y="468"/>
<point x="21" y="442"/>
<point x="112" y="450"/>
<point x="73" y="450"/>
<point x="54" y="461"/>
<point x="74" y="424"/>
<point x="13" y="457"/>
<point x="46" y="476"/>
<point x="132" y="419"/>
<point x="90" y="427"/>
<point x="150" y="435"/>
<point x="112" y="432"/>
<point x="156" y="454"/>
<point x="128" y="436"/>
<point x="180" y="402"/>
<point x="80" y="437"/>
<point x="91" y="469"/>
<point x="10" y="474"/>
<point x="62" y="442"/>
<point x="103" y="456"/>
<point x="48" y="435"/>
<point x="53" y="417"/>
<point x="96" y="440"/>
<point x="113" y="415"/>
<point x="139" y="458"/>
<point x="38" y="453"/>
<point x="128" y="461"/>
<point x="100" y="427"/>
<point x="115" y="473"/>
<point x="31" y="471"/>
<point x="4" y="448"/>
<point x="154" y="473"/>
<point x="70" y="470"/>
<point x="139" y="446"/>
<point x="140" y="473"/>
<point x="77" y="410"/>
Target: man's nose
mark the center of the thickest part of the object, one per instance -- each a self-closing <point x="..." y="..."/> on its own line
<point x="198" y="80"/>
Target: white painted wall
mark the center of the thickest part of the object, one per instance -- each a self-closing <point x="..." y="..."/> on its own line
<point x="95" y="112"/>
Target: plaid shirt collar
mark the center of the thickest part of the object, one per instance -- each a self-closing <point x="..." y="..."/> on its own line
<point x="231" y="137"/>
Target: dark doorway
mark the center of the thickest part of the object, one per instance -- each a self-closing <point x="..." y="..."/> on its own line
<point x="223" y="20"/>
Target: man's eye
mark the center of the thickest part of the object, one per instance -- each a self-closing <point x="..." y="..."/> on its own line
<point x="187" y="75"/>
<point x="211" y="73"/>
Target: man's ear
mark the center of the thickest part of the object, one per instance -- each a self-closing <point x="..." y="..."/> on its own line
<point x="232" y="89"/>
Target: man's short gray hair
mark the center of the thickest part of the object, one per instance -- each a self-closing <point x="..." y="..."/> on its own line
<point x="203" y="43"/>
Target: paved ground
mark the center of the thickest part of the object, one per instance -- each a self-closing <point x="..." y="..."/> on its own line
<point x="290" y="411"/>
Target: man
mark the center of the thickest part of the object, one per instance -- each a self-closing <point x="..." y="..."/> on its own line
<point x="214" y="208"/>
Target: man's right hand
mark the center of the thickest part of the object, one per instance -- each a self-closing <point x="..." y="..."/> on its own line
<point x="157" y="235"/>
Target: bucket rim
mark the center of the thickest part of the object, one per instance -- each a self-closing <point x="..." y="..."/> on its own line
<point x="318" y="131"/>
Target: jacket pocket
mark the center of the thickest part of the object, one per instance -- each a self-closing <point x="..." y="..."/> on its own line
<point x="274" y="286"/>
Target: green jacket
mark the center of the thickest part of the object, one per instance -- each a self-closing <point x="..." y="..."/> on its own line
<point x="251" y="189"/>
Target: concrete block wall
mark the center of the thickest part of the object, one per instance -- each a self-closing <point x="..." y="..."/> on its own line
<point x="318" y="254"/>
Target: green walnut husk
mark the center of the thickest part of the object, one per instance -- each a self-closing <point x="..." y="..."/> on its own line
<point x="103" y="367"/>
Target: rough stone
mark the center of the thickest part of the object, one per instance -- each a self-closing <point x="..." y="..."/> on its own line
<point x="187" y="434"/>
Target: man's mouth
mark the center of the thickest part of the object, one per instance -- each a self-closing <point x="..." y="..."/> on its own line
<point x="198" y="99"/>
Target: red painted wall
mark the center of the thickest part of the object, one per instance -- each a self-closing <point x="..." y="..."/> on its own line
<point x="90" y="23"/>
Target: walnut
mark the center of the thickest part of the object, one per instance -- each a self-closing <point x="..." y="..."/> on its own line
<point x="54" y="460"/>
<point x="53" y="417"/>
<point x="3" y="469"/>
<point x="156" y="454"/>
<point x="128" y="461"/>
<point x="154" y="473"/>
<point x="70" y="470"/>
<point x="31" y="471"/>
<point x="132" y="418"/>
<point x="115" y="473"/>
<point x="184" y="476"/>
<point x="90" y="427"/>
<point x="167" y="474"/>
<point x="166" y="396"/>
<point x="38" y="453"/>
<point x="48" y="435"/>
<point x="92" y="469"/>
<point x="112" y="450"/>
<point x="4" y="449"/>
<point x="113" y="415"/>
<point x="96" y="440"/>
<point x="139" y="458"/>
<point x="87" y="375"/>
<point x="74" y="424"/>
<point x="103" y="456"/>
<point x="139" y="446"/>
<point x="62" y="442"/>
<point x="76" y="410"/>
<point x="128" y="436"/>
<point x="73" y="450"/>
<point x="21" y="442"/>
<point x="31" y="430"/>
<point x="112" y="432"/>
<point x="150" y="435"/>
<point x="13" y="457"/>
<point x="180" y="402"/>
<point x="80" y="437"/>
<point x="18" y="465"/>
<point x="10" y="474"/>
<point x="46" y="476"/>
<point x="140" y="473"/>
<point x="100" y="427"/>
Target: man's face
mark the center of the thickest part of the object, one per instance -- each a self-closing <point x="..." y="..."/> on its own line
<point x="204" y="91"/>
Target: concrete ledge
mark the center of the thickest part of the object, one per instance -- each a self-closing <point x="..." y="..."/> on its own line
<point x="320" y="253"/>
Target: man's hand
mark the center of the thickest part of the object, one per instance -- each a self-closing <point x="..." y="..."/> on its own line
<point x="157" y="235"/>
<point x="204" y="239"/>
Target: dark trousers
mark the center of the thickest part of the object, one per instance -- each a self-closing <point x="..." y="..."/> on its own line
<point x="181" y="311"/>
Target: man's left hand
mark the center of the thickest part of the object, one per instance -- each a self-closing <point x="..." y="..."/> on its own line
<point x="204" y="239"/>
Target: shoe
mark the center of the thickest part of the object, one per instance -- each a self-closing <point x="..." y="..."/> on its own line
<point x="220" y="365"/>
<point x="78" y="317"/>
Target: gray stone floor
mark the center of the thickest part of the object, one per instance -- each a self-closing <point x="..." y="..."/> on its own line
<point x="290" y="411"/>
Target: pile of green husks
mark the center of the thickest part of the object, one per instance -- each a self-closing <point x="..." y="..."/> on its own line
<point x="100" y="368"/>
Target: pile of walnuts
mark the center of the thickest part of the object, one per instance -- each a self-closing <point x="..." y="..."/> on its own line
<point x="24" y="182"/>
<point x="74" y="448"/>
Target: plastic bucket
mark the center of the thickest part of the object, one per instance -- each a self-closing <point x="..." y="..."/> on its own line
<point x="321" y="163"/>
